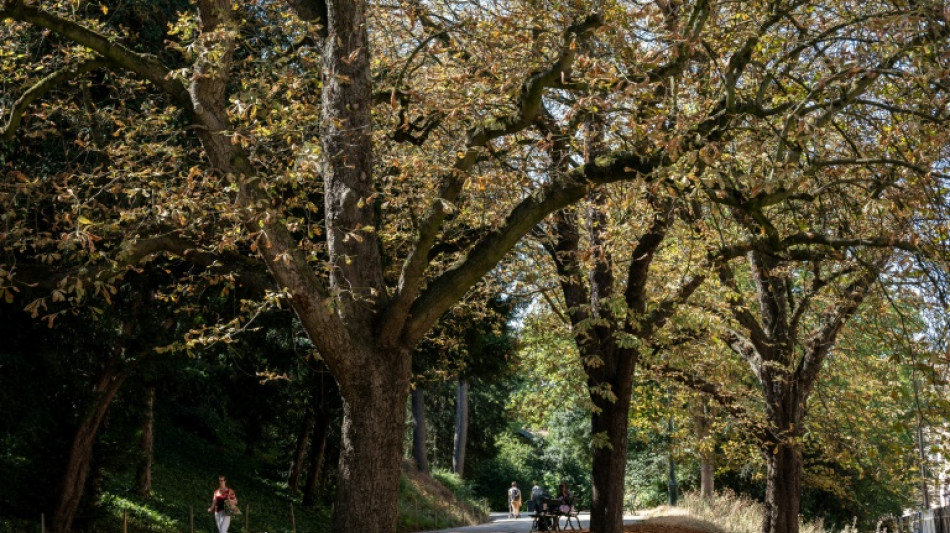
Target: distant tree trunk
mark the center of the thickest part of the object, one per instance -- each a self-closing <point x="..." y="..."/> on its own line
<point x="586" y="288"/>
<point x="703" y="417"/>
<point x="707" y="479"/>
<point x="461" y="428"/>
<point x="80" y="454"/>
<point x="419" y="429"/>
<point x="300" y="453"/>
<point x="318" y="449"/>
<point x="146" y="444"/>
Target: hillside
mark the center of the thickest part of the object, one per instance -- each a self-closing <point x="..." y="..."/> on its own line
<point x="184" y="475"/>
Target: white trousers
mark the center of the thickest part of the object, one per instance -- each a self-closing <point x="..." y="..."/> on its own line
<point x="223" y="520"/>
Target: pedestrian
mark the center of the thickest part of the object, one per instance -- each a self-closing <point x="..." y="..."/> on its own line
<point x="536" y="494"/>
<point x="223" y="505"/>
<point x="565" y="498"/>
<point x="514" y="501"/>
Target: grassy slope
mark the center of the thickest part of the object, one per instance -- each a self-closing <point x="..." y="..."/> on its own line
<point x="185" y="472"/>
<point x="427" y="502"/>
<point x="184" y="476"/>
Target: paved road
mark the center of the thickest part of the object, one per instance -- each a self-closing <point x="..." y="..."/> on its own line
<point x="500" y="523"/>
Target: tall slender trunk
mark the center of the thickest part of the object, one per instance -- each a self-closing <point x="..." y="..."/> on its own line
<point x="419" y="429"/>
<point x="610" y="462"/>
<point x="300" y="452"/>
<point x="461" y="427"/>
<point x="318" y="449"/>
<point x="374" y="420"/>
<point x="146" y="444"/>
<point x="80" y="454"/>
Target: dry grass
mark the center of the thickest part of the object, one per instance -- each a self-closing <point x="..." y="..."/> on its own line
<point x="724" y="513"/>
<point x="425" y="503"/>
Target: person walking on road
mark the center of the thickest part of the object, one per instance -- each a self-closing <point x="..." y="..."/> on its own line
<point x="514" y="501"/>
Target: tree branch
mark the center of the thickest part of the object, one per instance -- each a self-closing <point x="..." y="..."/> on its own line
<point x="42" y="87"/>
<point x="146" y="66"/>
<point x="443" y="291"/>
<point x="528" y="108"/>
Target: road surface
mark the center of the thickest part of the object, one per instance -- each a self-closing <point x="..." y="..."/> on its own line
<point x="500" y="523"/>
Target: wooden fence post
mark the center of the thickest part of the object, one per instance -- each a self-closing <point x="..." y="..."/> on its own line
<point x="191" y="519"/>
<point x="42" y="522"/>
<point x="125" y="521"/>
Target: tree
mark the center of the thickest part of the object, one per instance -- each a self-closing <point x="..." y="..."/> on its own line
<point x="372" y="230"/>
<point x="362" y="319"/>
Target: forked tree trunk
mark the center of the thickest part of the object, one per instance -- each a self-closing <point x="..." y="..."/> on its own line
<point x="300" y="452"/>
<point x="318" y="449"/>
<point x="146" y="444"/>
<point x="461" y="428"/>
<point x="80" y="455"/>
<point x="610" y="462"/>
<point x="419" y="429"/>
<point x="374" y="420"/>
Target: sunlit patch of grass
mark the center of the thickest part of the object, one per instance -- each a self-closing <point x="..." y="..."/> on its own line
<point x="139" y="515"/>
<point x="436" y="502"/>
<point x="725" y="512"/>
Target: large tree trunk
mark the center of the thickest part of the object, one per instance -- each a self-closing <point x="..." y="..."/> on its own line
<point x="610" y="462"/>
<point x="318" y="448"/>
<point x="300" y="452"/>
<point x="785" y="406"/>
<point x="419" y="429"/>
<point x="374" y="419"/>
<point x="783" y="489"/>
<point x="146" y="444"/>
<point x="80" y="455"/>
<point x="461" y="428"/>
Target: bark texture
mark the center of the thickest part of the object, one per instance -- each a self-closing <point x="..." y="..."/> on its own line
<point x="373" y="428"/>
<point x="609" y="465"/>
<point x="783" y="492"/>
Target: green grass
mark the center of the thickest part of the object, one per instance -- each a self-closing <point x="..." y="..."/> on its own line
<point x="185" y="473"/>
<point x="184" y="476"/>
<point x="435" y="502"/>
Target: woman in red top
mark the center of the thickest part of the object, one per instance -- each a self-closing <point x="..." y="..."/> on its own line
<point x="223" y="503"/>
